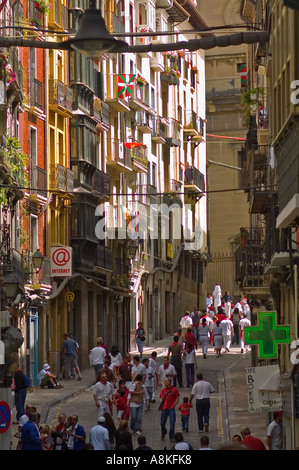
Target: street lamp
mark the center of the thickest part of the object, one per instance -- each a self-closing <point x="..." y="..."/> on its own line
<point x="132" y="249"/>
<point x="93" y="39"/>
<point x="37" y="260"/>
<point x="11" y="284"/>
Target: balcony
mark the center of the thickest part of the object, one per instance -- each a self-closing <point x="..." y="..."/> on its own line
<point x="60" y="98"/>
<point x="100" y="112"/>
<point x="104" y="257"/>
<point x="61" y="179"/>
<point x="16" y="87"/>
<point x="119" y="157"/>
<point x="144" y="122"/>
<point x="58" y="17"/>
<point x="143" y="40"/>
<point x="139" y="159"/>
<point x="194" y="184"/>
<point x="173" y="133"/>
<point x="101" y="185"/>
<point x="112" y="99"/>
<point x="261" y="188"/>
<point x="250" y="261"/>
<point x="158" y="130"/>
<point x="38" y="184"/>
<point x="170" y="76"/>
<point x="138" y="99"/>
<point x="157" y="61"/>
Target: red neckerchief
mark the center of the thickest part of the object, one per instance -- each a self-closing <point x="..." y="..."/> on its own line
<point x="165" y="366"/>
<point x="174" y="343"/>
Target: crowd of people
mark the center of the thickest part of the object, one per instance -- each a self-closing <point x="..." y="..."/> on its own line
<point x="126" y="386"/>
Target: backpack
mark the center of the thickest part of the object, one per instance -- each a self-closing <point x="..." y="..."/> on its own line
<point x="26" y="381"/>
<point x="236" y="319"/>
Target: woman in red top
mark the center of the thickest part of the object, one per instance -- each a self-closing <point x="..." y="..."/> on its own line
<point x="190" y="338"/>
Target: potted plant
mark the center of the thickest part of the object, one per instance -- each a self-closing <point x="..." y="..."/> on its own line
<point x="43" y="6"/>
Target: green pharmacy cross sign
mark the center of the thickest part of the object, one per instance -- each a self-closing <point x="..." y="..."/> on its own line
<point x="267" y="334"/>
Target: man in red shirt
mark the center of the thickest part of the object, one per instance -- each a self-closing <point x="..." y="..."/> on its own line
<point x="169" y="398"/>
<point x="252" y="443"/>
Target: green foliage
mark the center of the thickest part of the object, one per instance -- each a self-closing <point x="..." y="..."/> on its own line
<point x="249" y="99"/>
<point x="13" y="161"/>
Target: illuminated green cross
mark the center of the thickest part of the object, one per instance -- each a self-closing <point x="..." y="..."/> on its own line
<point x="267" y="334"/>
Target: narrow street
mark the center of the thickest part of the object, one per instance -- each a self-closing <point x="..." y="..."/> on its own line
<point x="229" y="410"/>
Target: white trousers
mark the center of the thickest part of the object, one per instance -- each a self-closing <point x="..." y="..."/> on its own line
<point x="227" y="339"/>
<point x="204" y="343"/>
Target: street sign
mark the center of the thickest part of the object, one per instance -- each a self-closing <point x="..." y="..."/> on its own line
<point x="5" y="416"/>
<point x="61" y="261"/>
<point x="267" y="335"/>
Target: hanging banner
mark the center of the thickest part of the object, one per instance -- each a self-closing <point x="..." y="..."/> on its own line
<point x="125" y="85"/>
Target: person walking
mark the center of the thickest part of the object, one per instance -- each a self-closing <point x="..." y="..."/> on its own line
<point x="195" y="319"/>
<point x="166" y="370"/>
<point x="148" y="382"/>
<point x="204" y="334"/>
<point x="218" y="338"/>
<point x="186" y="322"/>
<point x="97" y="357"/>
<point x="153" y="364"/>
<point x="227" y="332"/>
<point x="217" y="294"/>
<point x="184" y="408"/>
<point x="116" y="360"/>
<point x="235" y="318"/>
<point x="169" y="396"/>
<point x="136" y="397"/>
<point x="175" y="351"/>
<point x="189" y="356"/>
<point x="99" y="436"/>
<point x="201" y="390"/>
<point x="243" y="323"/>
<point x="275" y="432"/>
<point x="138" y="368"/>
<point x="227" y="299"/>
<point x="102" y="393"/>
<point x="123" y="437"/>
<point x="125" y="370"/>
<point x="140" y="338"/>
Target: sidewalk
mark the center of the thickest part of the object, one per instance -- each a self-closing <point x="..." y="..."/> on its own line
<point x="232" y="386"/>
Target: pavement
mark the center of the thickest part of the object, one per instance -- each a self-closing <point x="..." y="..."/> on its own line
<point x="229" y="414"/>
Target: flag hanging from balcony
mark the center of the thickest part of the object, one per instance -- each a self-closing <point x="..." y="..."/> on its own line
<point x="125" y="85"/>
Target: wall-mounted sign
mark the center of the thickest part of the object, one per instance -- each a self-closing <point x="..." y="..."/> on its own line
<point x="61" y="261"/>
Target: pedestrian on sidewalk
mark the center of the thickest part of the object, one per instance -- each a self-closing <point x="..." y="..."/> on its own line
<point x="99" y="436"/>
<point x="204" y="335"/>
<point x="153" y="364"/>
<point x="148" y="382"/>
<point x="20" y="390"/>
<point x="189" y="356"/>
<point x="70" y="351"/>
<point x="243" y="323"/>
<point x="195" y="319"/>
<point x="175" y="351"/>
<point x="97" y="357"/>
<point x="275" y="432"/>
<point x="169" y="398"/>
<point x="202" y="390"/>
<point x="184" y="408"/>
<point x="125" y="369"/>
<point x="190" y="337"/>
<point x="138" y="368"/>
<point x="123" y="437"/>
<point x="116" y="360"/>
<point x="186" y="322"/>
<point x="228" y="299"/>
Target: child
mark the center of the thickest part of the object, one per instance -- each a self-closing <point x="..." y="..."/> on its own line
<point x="184" y="408"/>
<point x="121" y="403"/>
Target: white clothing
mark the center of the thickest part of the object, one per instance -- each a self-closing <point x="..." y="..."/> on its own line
<point x="217" y="294"/>
<point x="243" y="323"/>
<point x="116" y="360"/>
<point x="103" y="392"/>
<point x="181" y="446"/>
<point x="274" y="431"/>
<point x="140" y="369"/>
<point x="149" y="377"/>
<point x="227" y="326"/>
<point x="189" y="357"/>
<point x="99" y="438"/>
<point x="228" y="308"/>
<point x="239" y="306"/>
<point x="186" y="321"/>
<point x="97" y="355"/>
<point x="163" y="372"/>
<point x="202" y="389"/>
<point x="209" y="302"/>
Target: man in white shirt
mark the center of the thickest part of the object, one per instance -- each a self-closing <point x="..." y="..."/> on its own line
<point x="243" y="323"/>
<point x="201" y="390"/>
<point x="138" y="368"/>
<point x="186" y="322"/>
<point x="97" y="357"/>
<point x="102" y="393"/>
<point x="227" y="332"/>
<point x="99" y="436"/>
<point x="166" y="371"/>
